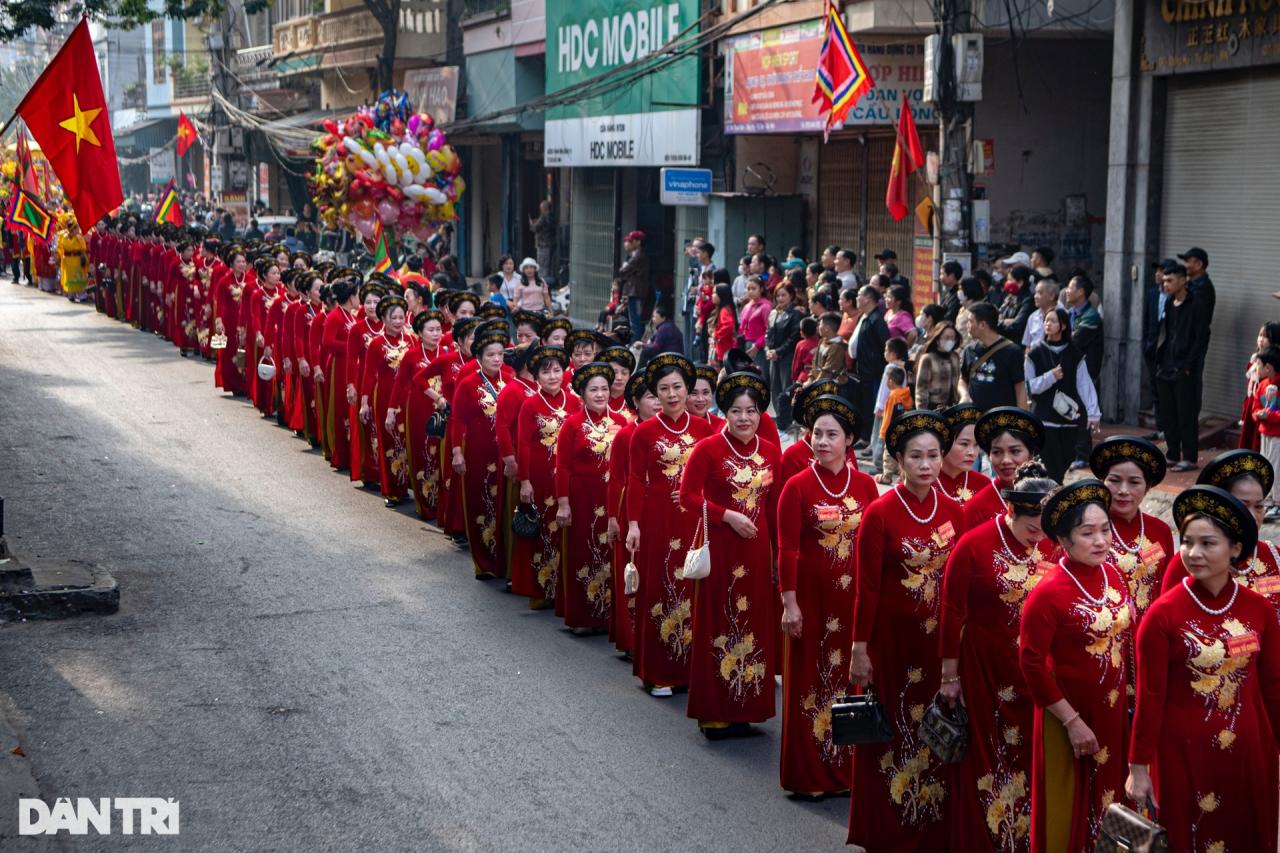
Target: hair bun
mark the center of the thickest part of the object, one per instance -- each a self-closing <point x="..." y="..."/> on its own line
<point x="1031" y="469"/>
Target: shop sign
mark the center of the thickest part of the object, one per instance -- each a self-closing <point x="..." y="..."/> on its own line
<point x="769" y="82"/>
<point x="649" y="120"/>
<point x="1201" y="35"/>
<point x="161" y="162"/>
<point x="433" y="91"/>
<point x="689" y="187"/>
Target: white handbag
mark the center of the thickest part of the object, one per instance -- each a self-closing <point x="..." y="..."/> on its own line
<point x="630" y="578"/>
<point x="697" y="563"/>
<point x="267" y="369"/>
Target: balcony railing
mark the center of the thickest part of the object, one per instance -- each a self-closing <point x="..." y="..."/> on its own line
<point x="485" y="8"/>
<point x="351" y="37"/>
<point x="185" y="88"/>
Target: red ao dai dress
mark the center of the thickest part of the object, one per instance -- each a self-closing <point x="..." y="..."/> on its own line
<point x="364" y="465"/>
<point x="1074" y="644"/>
<point x="818" y="518"/>
<point x="475" y="402"/>
<point x="337" y="331"/>
<point x="733" y="657"/>
<point x="586" y="586"/>
<point x="535" y="563"/>
<point x="1261" y="574"/>
<point x="232" y="309"/>
<point x="898" y="791"/>
<point x="988" y="578"/>
<point x="381" y="361"/>
<point x="985" y="504"/>
<point x="964" y="488"/>
<point x="1208" y="704"/>
<point x="622" y="613"/>
<point x="658" y="452"/>
<point x="413" y="379"/>
<point x="510" y="400"/>
<point x="449" y="513"/>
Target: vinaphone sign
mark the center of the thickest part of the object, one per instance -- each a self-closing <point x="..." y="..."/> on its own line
<point x="650" y="120"/>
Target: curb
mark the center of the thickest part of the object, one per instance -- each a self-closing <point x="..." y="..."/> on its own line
<point x="16" y="781"/>
<point x="55" y="590"/>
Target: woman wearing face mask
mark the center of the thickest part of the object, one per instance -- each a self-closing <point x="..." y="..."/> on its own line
<point x="703" y="395"/>
<point x="659" y="530"/>
<point x="1209" y="690"/>
<point x="386" y="437"/>
<point x="1061" y="392"/>
<point x="337" y="331"/>
<point x="1073" y="648"/>
<point x="1248" y="477"/>
<point x="818" y="515"/>
<point x="644" y="404"/>
<point x="413" y="403"/>
<point x="1010" y="437"/>
<point x="957" y="479"/>
<point x="364" y="465"/>
<point x="938" y="369"/>
<point x="728" y="484"/>
<point x="899" y="790"/>
<point x="473" y="446"/>
<point x="1142" y="544"/>
<point x="535" y="563"/>
<point x="927" y="322"/>
<point x="988" y="577"/>
<point x="586" y="590"/>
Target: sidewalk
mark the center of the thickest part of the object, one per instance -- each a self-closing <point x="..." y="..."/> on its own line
<point x="16" y="781"/>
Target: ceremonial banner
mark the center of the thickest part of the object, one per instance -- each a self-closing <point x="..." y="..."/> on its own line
<point x="26" y="214"/>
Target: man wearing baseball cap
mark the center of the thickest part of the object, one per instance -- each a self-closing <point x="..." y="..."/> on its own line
<point x="1196" y="261"/>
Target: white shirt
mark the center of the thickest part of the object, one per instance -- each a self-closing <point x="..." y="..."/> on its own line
<point x="508" y="287"/>
<point x="848" y="278"/>
<point x="1034" y="332"/>
<point x="740" y="289"/>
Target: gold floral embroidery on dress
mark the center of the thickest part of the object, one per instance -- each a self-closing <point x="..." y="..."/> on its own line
<point x="1015" y="580"/>
<point x="1143" y="577"/>
<point x="548" y="432"/>
<point x="740" y="662"/>
<point x="488" y="399"/>
<point x="749" y="481"/>
<point x="1217" y="676"/>
<point x="837" y="526"/>
<point x="1106" y="628"/>
<point x="1208" y="804"/>
<point x="915" y="783"/>
<point x="1005" y="792"/>
<point x="675" y="627"/>
<point x="832" y="678"/>
<point x="395" y="353"/>
<point x="673" y="454"/>
<point x="599" y="437"/>
<point x="923" y="562"/>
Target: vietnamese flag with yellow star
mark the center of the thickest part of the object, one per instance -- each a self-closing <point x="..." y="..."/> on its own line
<point x="67" y="114"/>
<point x="186" y="134"/>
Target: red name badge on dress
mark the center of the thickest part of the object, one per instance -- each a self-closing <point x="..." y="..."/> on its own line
<point x="832" y="513"/>
<point x="1267" y="586"/>
<point x="1151" y="554"/>
<point x="1245" y="644"/>
<point x="947" y="531"/>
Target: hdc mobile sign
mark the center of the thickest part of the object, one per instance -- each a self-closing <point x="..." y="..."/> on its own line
<point x="649" y="121"/>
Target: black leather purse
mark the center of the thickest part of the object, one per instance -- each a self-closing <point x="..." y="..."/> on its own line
<point x="860" y="720"/>
<point x="945" y="730"/>
<point x="437" y="425"/>
<point x="525" y="523"/>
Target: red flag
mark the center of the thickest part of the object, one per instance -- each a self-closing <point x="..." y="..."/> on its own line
<point x="186" y="134"/>
<point x="26" y="167"/>
<point x="908" y="155"/>
<point x="67" y="115"/>
<point x="841" y="77"/>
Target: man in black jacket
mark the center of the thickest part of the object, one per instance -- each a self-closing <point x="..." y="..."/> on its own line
<point x="1182" y="342"/>
<point x="866" y="348"/>
<point x="949" y="278"/>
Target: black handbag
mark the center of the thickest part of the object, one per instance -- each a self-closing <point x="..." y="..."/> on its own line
<point x="945" y="730"/>
<point x="860" y="720"/>
<point x="437" y="424"/>
<point x="525" y="523"/>
<point x="1124" y="829"/>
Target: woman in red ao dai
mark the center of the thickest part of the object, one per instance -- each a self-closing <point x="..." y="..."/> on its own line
<point x="819" y="512"/>
<point x="1209" y="690"/>
<point x="735" y="608"/>
<point x="899" y="789"/>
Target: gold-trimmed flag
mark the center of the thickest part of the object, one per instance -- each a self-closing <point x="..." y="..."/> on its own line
<point x="383" y="250"/>
<point x="26" y="214"/>
<point x="169" y="209"/>
<point x="841" y="77"/>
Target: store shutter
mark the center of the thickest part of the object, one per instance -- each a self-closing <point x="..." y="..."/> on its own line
<point x="839" y="194"/>
<point x="1222" y="193"/>
<point x="592" y="262"/>
<point x="882" y="231"/>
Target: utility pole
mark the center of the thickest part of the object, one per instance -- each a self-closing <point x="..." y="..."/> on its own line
<point x="955" y="126"/>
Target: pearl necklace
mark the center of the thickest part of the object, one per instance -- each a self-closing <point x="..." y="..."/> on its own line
<point x="848" y="476"/>
<point x="962" y="494"/>
<point x="1106" y="584"/>
<point x="1235" y="588"/>
<point x="1004" y="544"/>
<point x="592" y="422"/>
<point x="724" y="433"/>
<point x="528" y="389"/>
<point x="618" y="410"/>
<point x="1137" y="545"/>
<point x="678" y="430"/>
<point x="560" y="410"/>
<point x="897" y="490"/>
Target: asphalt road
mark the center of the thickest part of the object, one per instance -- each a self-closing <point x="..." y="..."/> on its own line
<point x="301" y="667"/>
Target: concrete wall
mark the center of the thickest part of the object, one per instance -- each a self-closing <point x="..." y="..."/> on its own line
<point x="1049" y="143"/>
<point x="526" y="25"/>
